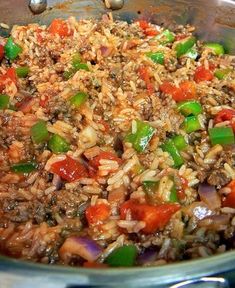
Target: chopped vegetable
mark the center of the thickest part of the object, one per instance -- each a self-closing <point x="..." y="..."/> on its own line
<point x="191" y="124"/>
<point x="76" y="60"/>
<point x="124" y="256"/>
<point x="173" y="195"/>
<point x="84" y="247"/>
<point x="150" y="186"/>
<point x="155" y="217"/>
<point x="165" y="37"/>
<point x="203" y="74"/>
<point x="186" y="90"/>
<point x="217" y="48"/>
<point x="1" y="52"/>
<point x="169" y="146"/>
<point x="190" y="107"/>
<point x="78" y="99"/>
<point x="147" y="29"/>
<point x="180" y="142"/>
<point x="58" y="144"/>
<point x="221" y="135"/>
<point x="184" y="45"/>
<point x="141" y="137"/>
<point x="60" y="27"/>
<point x="229" y="199"/>
<point x="145" y="75"/>
<point x="24" y="167"/>
<point x="22" y="72"/>
<point x="4" y="101"/>
<point x="222" y="73"/>
<point x="11" y="49"/>
<point x="69" y="169"/>
<point x="209" y="195"/>
<point x="81" y="66"/>
<point x="225" y="115"/>
<point x="156" y="57"/>
<point x="192" y="53"/>
<point x="97" y="213"/>
<point x="39" y="132"/>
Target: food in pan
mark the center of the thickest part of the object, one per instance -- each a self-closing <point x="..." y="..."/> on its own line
<point x="117" y="144"/>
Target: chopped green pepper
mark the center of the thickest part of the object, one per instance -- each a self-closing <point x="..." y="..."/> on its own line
<point x="150" y="186"/>
<point x="184" y="45"/>
<point x="217" y="48"/>
<point x="190" y="107"/>
<point x="76" y="60"/>
<point x="24" y="167"/>
<point x="39" y="132"/>
<point x="221" y="135"/>
<point x="58" y="144"/>
<point x="165" y="37"/>
<point x="4" y="101"/>
<point x="11" y="49"/>
<point x="179" y="142"/>
<point x="192" y="53"/>
<point x="22" y="72"/>
<point x="156" y="57"/>
<point x="141" y="137"/>
<point x="169" y="146"/>
<point x="78" y="99"/>
<point x="69" y="73"/>
<point x="173" y="195"/>
<point x="124" y="256"/>
<point x="222" y="73"/>
<point x="81" y="66"/>
<point x="191" y="124"/>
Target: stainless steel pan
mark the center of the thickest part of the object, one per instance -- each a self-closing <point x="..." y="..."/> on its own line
<point x="214" y="21"/>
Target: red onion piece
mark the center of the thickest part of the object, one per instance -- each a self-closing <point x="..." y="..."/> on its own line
<point x="148" y="256"/>
<point x="84" y="247"/>
<point x="105" y="51"/>
<point x="215" y="222"/>
<point x="198" y="209"/>
<point x="56" y="181"/>
<point x="209" y="195"/>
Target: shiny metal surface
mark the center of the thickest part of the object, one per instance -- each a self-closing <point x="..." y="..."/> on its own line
<point x="37" y="6"/>
<point x="115" y="4"/>
<point x="214" y="21"/>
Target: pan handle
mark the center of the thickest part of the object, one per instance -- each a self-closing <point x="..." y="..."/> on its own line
<point x="207" y="282"/>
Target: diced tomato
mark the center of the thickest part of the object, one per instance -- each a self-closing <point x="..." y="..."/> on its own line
<point x="105" y="124"/>
<point x="155" y="217"/>
<point x="60" y="27"/>
<point x="10" y="75"/>
<point x="143" y="24"/>
<point x="43" y="101"/>
<point x="185" y="91"/>
<point x="203" y="74"/>
<point x="1" y="52"/>
<point x="69" y="169"/>
<point x="88" y="264"/>
<point x="95" y="162"/>
<point x="97" y="213"/>
<point x="229" y="200"/>
<point x="180" y="37"/>
<point x="181" y="192"/>
<point x="224" y="115"/>
<point x="144" y="75"/>
<point x="151" y="32"/>
<point x="233" y="124"/>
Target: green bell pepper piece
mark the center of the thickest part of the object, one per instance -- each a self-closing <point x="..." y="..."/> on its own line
<point x="69" y="73"/>
<point x="11" y="49"/>
<point x="222" y="73"/>
<point x="141" y="137"/>
<point x="217" y="48"/>
<point x="156" y="57"/>
<point x="39" y="132"/>
<point x="191" y="124"/>
<point x="76" y="60"/>
<point x="183" y="46"/>
<point x="170" y="147"/>
<point x="22" y="72"/>
<point x="192" y="53"/>
<point x="58" y="144"/>
<point x="150" y="186"/>
<point x="4" y="101"/>
<point x="221" y="135"/>
<point x="165" y="37"/>
<point x="82" y="66"/>
<point x="124" y="256"/>
<point x="173" y="195"/>
<point x="179" y="142"/>
<point x="190" y="107"/>
<point x="78" y="99"/>
<point x="24" y="167"/>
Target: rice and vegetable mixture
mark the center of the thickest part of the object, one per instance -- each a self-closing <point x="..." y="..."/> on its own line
<point x="117" y="144"/>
